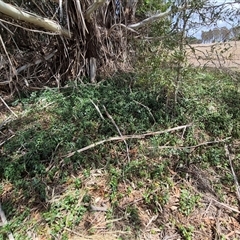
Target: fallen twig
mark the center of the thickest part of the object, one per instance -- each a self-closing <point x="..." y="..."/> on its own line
<point x="126" y="137"/>
<point x="4" y="220"/>
<point x="8" y="107"/>
<point x="98" y="110"/>
<point x="114" y="123"/>
<point x="228" y="155"/>
<point x="224" y="205"/>
<point x="208" y="207"/>
<point x="211" y="199"/>
<point x="2" y="124"/>
<point x="13" y="69"/>
<point x="149" y="110"/>
<point x="6" y="140"/>
<point x="98" y="209"/>
<point x="192" y="147"/>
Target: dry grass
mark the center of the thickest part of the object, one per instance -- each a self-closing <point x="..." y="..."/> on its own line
<point x="209" y="219"/>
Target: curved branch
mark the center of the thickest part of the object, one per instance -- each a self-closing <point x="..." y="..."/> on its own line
<point x="157" y="16"/>
<point x="34" y="19"/>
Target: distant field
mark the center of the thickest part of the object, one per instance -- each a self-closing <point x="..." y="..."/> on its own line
<point x="226" y="55"/>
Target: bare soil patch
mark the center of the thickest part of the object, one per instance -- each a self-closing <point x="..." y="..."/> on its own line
<point x="220" y="55"/>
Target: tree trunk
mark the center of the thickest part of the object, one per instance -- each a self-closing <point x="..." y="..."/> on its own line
<point x="20" y="14"/>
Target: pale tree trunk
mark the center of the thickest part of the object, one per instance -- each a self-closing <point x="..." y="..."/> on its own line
<point x="20" y="14"/>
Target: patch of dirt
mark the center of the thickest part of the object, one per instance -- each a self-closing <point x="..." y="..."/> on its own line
<point x="220" y="55"/>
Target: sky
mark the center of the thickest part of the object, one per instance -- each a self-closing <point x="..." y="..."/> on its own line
<point x="197" y="32"/>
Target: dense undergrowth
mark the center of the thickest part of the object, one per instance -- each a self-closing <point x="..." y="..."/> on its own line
<point x="46" y="193"/>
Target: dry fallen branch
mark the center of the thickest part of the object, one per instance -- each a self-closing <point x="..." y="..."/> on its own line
<point x="223" y="205"/>
<point x="4" y="122"/>
<point x="192" y="147"/>
<point x="2" y="143"/>
<point x="119" y="132"/>
<point x="126" y="137"/>
<point x="8" y="107"/>
<point x="210" y="199"/>
<point x="228" y="155"/>
<point x="98" y="110"/>
<point x="148" y="109"/>
<point x="13" y="70"/>
<point x="4" y="220"/>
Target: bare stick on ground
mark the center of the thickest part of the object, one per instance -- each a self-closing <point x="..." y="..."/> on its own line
<point x="98" y="110"/>
<point x="228" y="155"/>
<point x="126" y="137"/>
<point x="192" y="147"/>
<point x="119" y="132"/>
<point x="8" y="107"/>
<point x="211" y="200"/>
<point x="149" y="110"/>
<point x="4" y="220"/>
